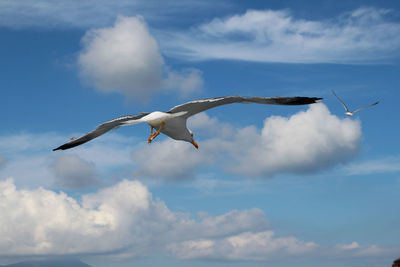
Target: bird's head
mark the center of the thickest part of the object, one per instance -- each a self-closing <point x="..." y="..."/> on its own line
<point x="191" y="140"/>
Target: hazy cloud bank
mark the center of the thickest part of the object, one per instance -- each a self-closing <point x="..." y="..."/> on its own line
<point x="73" y="172"/>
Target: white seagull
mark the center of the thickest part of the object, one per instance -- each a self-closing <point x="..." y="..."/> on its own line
<point x="351" y="113"/>
<point x="173" y="122"/>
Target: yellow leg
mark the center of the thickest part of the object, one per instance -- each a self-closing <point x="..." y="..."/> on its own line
<point x="155" y="134"/>
<point x="151" y="134"/>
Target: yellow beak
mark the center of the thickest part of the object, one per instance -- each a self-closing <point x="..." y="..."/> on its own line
<point x="195" y="144"/>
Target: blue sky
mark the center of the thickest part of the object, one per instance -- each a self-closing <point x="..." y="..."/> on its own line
<point x="269" y="185"/>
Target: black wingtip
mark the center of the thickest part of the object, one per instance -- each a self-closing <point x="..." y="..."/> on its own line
<point x="63" y="147"/>
<point x="70" y="144"/>
<point x="301" y="100"/>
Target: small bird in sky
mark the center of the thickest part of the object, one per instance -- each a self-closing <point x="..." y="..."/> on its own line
<point x="351" y="113"/>
<point x="173" y="122"/>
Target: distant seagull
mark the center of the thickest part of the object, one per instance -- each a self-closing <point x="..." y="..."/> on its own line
<point x="351" y="113"/>
<point x="173" y="122"/>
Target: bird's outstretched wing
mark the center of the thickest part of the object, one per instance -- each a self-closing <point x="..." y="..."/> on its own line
<point x="103" y="128"/>
<point x="197" y="106"/>
<point x="344" y="105"/>
<point x="365" y="107"/>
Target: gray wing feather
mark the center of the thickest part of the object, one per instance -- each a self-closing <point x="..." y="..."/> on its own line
<point x="101" y="129"/>
<point x="365" y="107"/>
<point x="344" y="105"/>
<point x="197" y="106"/>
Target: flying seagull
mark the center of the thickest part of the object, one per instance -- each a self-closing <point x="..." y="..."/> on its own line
<point x="173" y="122"/>
<point x="351" y="113"/>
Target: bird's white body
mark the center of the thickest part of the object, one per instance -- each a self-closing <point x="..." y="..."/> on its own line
<point x="155" y="118"/>
<point x="174" y="125"/>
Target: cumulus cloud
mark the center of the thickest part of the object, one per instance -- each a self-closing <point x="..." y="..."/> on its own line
<point x="43" y="222"/>
<point x="125" y="58"/>
<point x="71" y="171"/>
<point x="125" y="221"/>
<point x="306" y="142"/>
<point x="362" y="36"/>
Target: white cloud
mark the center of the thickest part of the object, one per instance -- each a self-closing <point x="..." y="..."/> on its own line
<point x="362" y="36"/>
<point x="353" y="245"/>
<point x="125" y="58"/>
<point x="306" y="142"/>
<point x="125" y="221"/>
<point x="42" y="222"/>
<point x="73" y="172"/>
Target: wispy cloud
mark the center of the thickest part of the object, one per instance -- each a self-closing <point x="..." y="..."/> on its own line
<point x="383" y="165"/>
<point x="364" y="35"/>
<point x="125" y="59"/>
<point x="64" y="14"/>
<point x="244" y="246"/>
<point x="264" y="246"/>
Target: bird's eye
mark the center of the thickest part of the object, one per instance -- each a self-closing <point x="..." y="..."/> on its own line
<point x="191" y="134"/>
